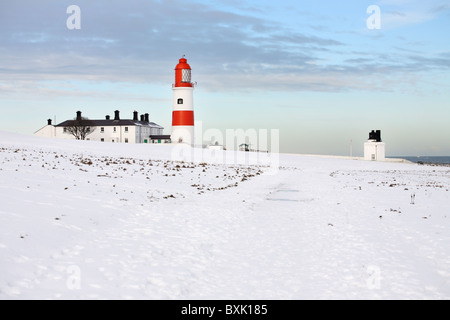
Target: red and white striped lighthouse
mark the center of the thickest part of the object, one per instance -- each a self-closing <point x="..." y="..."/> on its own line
<point x="183" y="105"/>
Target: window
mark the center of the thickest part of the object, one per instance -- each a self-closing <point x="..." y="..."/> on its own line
<point x="102" y="140"/>
<point x="180" y="101"/>
<point x="126" y="129"/>
<point x="65" y="130"/>
<point x="186" y="75"/>
<point x="114" y="130"/>
<point x="126" y="140"/>
<point x="102" y="129"/>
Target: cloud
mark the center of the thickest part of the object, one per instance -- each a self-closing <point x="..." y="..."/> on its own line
<point x="402" y="13"/>
<point x="124" y="39"/>
<point x="397" y="19"/>
<point x="140" y="41"/>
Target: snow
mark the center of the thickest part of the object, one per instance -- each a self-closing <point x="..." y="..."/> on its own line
<point x="88" y="220"/>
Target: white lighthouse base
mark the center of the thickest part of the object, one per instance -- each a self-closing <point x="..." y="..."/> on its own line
<point x="374" y="151"/>
<point x="182" y="134"/>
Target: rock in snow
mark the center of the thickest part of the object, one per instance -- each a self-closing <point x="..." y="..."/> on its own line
<point x="90" y="220"/>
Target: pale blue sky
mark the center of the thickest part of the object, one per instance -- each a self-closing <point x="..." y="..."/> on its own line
<point x="311" y="69"/>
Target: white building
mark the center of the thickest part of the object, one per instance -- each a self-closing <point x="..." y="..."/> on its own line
<point x="374" y="148"/>
<point x="111" y="130"/>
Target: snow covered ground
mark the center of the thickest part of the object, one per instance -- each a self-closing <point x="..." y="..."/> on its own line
<point x="87" y="220"/>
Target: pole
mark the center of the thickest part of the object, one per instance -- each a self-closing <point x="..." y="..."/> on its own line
<point x="351" y="148"/>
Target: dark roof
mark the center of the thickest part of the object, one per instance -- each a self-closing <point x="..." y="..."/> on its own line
<point x="160" y="137"/>
<point x="111" y="122"/>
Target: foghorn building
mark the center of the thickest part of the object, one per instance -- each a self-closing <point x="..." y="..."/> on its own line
<point x="374" y="148"/>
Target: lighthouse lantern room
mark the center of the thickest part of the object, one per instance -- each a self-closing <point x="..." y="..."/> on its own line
<point x="183" y="105"/>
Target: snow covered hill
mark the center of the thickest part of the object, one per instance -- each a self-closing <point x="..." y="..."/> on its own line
<point x="89" y="220"/>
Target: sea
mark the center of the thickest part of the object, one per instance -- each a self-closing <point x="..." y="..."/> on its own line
<point x="426" y="159"/>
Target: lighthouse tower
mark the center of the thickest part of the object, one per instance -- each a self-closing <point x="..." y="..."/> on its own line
<point x="183" y="105"/>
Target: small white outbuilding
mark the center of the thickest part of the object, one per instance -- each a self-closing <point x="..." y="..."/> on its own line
<point x="374" y="148"/>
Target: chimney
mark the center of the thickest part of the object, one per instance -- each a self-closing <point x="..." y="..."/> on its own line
<point x="107" y="117"/>
<point x="116" y="115"/>
<point x="135" y="116"/>
<point x="375" y="135"/>
<point x="78" y="115"/>
<point x="142" y="118"/>
<point x="49" y="122"/>
<point x="378" y="135"/>
<point x="146" y="117"/>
